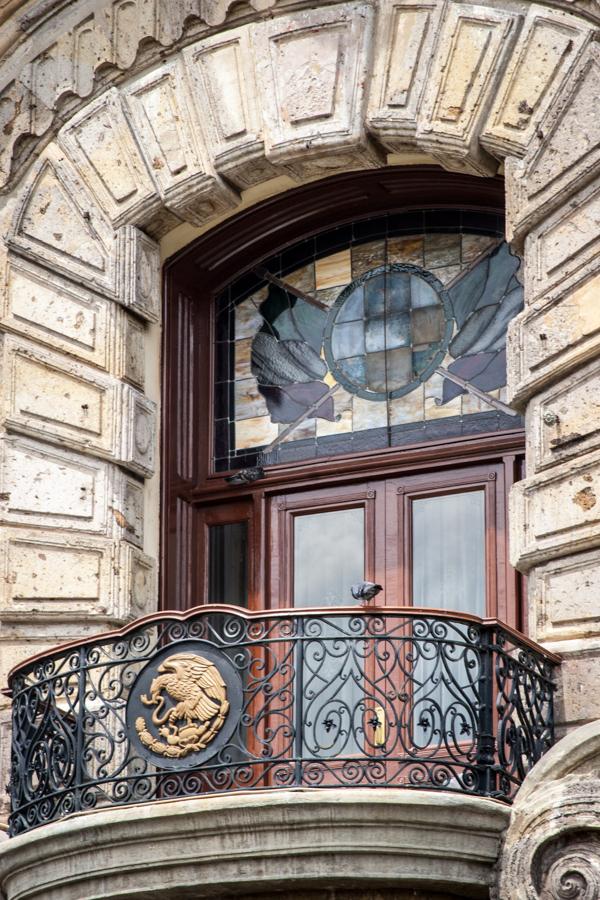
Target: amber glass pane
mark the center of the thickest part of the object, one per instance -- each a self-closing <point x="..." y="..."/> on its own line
<point x="329" y="557"/>
<point x="228" y="564"/>
<point x="449" y="552"/>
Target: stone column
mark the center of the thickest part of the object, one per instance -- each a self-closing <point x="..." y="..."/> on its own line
<point x="554" y="352"/>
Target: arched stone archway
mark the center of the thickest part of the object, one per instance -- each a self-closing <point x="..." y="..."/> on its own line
<point x="226" y="104"/>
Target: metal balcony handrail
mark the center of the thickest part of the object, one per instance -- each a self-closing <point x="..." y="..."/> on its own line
<point x="221" y="699"/>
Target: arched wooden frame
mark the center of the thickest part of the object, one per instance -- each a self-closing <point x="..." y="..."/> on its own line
<point x="192" y="280"/>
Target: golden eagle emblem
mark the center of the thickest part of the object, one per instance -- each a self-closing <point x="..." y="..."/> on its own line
<point x="197" y="716"/>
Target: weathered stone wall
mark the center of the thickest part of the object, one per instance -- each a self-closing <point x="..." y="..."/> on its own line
<point x="130" y="126"/>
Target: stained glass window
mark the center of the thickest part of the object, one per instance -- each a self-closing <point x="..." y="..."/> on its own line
<point x="386" y="332"/>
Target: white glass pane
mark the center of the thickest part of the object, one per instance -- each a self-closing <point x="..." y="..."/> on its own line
<point x="449" y="552"/>
<point x="329" y="557"/>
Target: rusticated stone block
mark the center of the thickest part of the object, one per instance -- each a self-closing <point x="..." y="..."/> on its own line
<point x="56" y="400"/>
<point x="138" y="431"/>
<point x="65" y="577"/>
<point x="46" y="487"/>
<point x="169" y="129"/>
<point x="57" y="576"/>
<point x="52" y="398"/>
<point x="94" y="140"/>
<point x="556" y="513"/>
<point x="541" y="65"/>
<point x="137" y="581"/>
<point x="311" y="71"/>
<point x="129" y="348"/>
<point x="564" y="152"/>
<point x="563" y="598"/>
<point x="576" y="703"/>
<point x="563" y="250"/>
<point x="406" y="31"/>
<point x="58" y="224"/>
<point x="564" y="420"/>
<point x="57" y="312"/>
<point x="224" y="91"/>
<point x="470" y="53"/>
<point x="138" y="272"/>
<point x="553" y="337"/>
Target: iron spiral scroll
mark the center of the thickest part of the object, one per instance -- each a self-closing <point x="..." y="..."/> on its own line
<point x="219" y="699"/>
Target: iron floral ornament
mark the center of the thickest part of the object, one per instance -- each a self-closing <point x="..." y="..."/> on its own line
<point x="191" y="700"/>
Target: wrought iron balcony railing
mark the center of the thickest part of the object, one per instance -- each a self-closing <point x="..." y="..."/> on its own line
<point x="218" y="700"/>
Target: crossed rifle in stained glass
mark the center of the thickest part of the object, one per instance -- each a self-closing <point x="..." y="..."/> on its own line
<point x="387" y="332"/>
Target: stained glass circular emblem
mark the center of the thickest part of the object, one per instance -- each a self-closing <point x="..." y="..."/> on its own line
<point x="387" y="331"/>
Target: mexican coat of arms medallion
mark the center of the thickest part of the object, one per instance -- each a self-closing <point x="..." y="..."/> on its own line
<point x="199" y="713"/>
<point x="185" y="704"/>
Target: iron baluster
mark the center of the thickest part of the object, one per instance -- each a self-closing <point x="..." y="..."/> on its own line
<point x="299" y="702"/>
<point x="486" y="741"/>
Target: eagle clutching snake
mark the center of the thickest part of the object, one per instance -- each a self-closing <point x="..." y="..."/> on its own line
<point x="202" y="705"/>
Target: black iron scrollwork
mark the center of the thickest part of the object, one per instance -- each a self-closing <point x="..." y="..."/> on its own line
<point x="400" y="698"/>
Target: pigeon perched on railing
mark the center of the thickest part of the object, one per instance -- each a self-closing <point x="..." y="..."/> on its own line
<point x="365" y="591"/>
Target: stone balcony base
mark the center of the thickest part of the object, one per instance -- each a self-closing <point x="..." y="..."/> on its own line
<point x="353" y="842"/>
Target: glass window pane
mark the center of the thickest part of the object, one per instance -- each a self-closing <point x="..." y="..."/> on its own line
<point x="329" y="557"/>
<point x="228" y="564"/>
<point x="449" y="552"/>
<point x="385" y="321"/>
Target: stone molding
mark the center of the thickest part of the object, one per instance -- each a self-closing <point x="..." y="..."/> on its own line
<point x="262" y="843"/>
<point x="466" y="123"/>
<point x="446" y="82"/>
<point x="551" y="849"/>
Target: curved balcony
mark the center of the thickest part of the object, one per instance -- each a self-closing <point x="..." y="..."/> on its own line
<point x="219" y="700"/>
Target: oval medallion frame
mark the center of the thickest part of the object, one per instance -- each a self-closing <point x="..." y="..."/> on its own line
<point x="171" y="744"/>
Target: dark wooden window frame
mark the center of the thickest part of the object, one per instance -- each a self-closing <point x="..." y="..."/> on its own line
<point x="191" y="492"/>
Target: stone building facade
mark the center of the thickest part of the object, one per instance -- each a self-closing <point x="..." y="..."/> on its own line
<point x="131" y="128"/>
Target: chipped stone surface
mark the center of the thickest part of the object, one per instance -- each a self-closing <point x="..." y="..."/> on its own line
<point x="564" y="152"/>
<point x="59" y="224"/>
<point x="57" y="312"/>
<point x="564" y="420"/>
<point x="103" y="149"/>
<point x="563" y="597"/>
<point x="173" y="145"/>
<point x="472" y="47"/>
<point x="549" y="43"/>
<point x="556" y="513"/>
<point x="311" y="71"/>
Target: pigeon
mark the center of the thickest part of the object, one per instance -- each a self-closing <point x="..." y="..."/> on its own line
<point x="365" y="591"/>
<point x="246" y="476"/>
